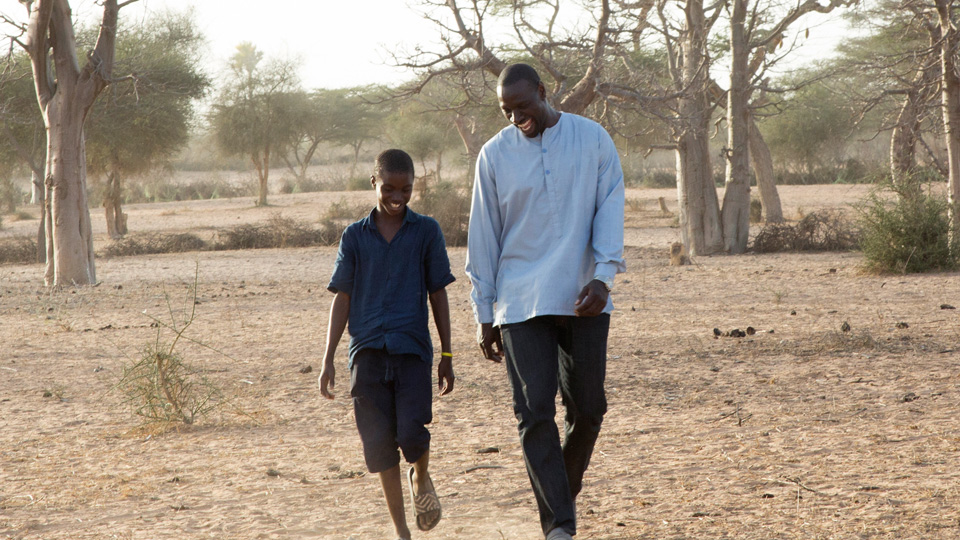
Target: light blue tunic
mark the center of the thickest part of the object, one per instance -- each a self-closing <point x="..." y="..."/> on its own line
<point x="546" y="218"/>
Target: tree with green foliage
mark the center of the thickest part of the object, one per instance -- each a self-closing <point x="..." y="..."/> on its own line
<point x="139" y="123"/>
<point x="20" y="122"/>
<point x="756" y="35"/>
<point x="24" y="137"/>
<point x="467" y="102"/>
<point x="811" y="129"/>
<point x="425" y="135"/>
<point x="339" y="116"/>
<point x="908" y="67"/>
<point x="891" y="74"/>
<point x="255" y="114"/>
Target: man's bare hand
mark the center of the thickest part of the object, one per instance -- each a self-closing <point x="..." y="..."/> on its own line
<point x="491" y="345"/>
<point x="592" y="299"/>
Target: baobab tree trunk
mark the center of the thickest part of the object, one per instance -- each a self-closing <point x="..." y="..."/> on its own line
<point x="585" y="91"/>
<point x="472" y="142"/>
<point x="950" y="104"/>
<point x="906" y="131"/>
<point x="42" y="227"/>
<point x="736" y="197"/>
<point x="36" y="188"/>
<point x="766" y="180"/>
<point x="263" y="175"/>
<point x="696" y="194"/>
<point x="356" y="158"/>
<point x="69" y="236"/>
<point x="112" y="206"/>
<point x="64" y="102"/>
<point x="423" y="182"/>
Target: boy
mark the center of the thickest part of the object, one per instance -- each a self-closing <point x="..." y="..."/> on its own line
<point x="388" y="264"/>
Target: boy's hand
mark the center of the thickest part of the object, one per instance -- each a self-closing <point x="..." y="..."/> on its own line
<point x="445" y="375"/>
<point x="327" y="379"/>
<point x="592" y="300"/>
<point x="491" y="345"/>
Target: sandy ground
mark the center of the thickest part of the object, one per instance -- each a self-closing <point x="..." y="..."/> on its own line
<point x="799" y="431"/>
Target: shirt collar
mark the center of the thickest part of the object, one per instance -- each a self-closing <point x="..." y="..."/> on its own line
<point x="409" y="217"/>
<point x="550" y="131"/>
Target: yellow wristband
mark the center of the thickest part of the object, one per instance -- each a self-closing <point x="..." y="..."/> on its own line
<point x="447" y="354"/>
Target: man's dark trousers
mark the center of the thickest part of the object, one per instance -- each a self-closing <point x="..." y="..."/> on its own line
<point x="542" y="354"/>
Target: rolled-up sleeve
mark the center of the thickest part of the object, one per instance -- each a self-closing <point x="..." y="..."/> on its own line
<point x="607" y="238"/>
<point x="343" y="268"/>
<point x="483" y="247"/>
<point x="438" y="263"/>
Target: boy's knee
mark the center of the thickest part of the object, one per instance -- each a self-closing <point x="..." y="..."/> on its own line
<point x="381" y="457"/>
<point x="413" y="440"/>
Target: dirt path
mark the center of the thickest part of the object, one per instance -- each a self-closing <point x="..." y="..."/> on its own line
<point x="798" y="431"/>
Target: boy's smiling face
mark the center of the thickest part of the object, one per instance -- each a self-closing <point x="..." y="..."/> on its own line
<point x="394" y="190"/>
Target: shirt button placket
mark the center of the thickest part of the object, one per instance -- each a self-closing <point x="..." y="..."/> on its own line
<point x="388" y="283"/>
<point x="551" y="191"/>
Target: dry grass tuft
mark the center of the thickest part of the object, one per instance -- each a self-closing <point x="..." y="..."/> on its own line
<point x="825" y="230"/>
<point x="18" y="250"/>
<point x="149" y="244"/>
<point x="160" y="385"/>
<point x="278" y="232"/>
<point x="450" y="206"/>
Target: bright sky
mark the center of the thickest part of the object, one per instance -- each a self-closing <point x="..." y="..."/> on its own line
<point x="339" y="43"/>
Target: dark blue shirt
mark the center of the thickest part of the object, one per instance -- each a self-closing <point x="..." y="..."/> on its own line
<point x="388" y="283"/>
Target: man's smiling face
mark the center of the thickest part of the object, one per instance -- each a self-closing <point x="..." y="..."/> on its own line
<point x="525" y="106"/>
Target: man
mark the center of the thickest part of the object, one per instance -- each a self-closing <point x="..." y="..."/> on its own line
<point x="546" y="239"/>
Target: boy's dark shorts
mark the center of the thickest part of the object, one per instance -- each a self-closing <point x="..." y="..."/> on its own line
<point x="392" y="404"/>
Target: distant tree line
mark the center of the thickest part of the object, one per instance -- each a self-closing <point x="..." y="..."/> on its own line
<point x="701" y="81"/>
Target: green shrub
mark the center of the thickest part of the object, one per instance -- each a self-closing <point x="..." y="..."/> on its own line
<point x="908" y="233"/>
<point x="277" y="232"/>
<point x="342" y="180"/>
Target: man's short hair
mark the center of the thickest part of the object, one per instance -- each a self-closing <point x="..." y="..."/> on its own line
<point x="393" y="161"/>
<point x="518" y="72"/>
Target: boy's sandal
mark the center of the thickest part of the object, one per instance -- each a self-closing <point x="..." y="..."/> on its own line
<point x="426" y="505"/>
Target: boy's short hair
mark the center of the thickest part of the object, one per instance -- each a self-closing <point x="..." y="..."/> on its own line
<point x="393" y="161"/>
<point x="518" y="72"/>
